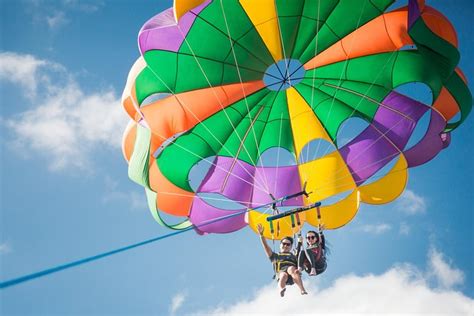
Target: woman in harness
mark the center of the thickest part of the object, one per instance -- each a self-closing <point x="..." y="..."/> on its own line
<point x="285" y="263"/>
<point x="313" y="259"/>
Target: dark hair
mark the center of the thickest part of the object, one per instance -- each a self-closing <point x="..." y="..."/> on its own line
<point x="315" y="233"/>
<point x="288" y="238"/>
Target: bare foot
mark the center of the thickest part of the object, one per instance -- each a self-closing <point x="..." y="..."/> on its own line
<point x="304" y="293"/>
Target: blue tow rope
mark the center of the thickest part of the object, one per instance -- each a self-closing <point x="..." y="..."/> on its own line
<point x="76" y="263"/>
<point x="65" y="266"/>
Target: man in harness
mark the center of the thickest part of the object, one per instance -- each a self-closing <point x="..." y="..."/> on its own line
<point x="285" y="263"/>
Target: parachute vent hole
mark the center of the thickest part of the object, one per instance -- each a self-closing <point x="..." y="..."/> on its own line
<point x="276" y="157"/>
<point x="316" y="149"/>
<point x="199" y="171"/>
<point x="420" y="130"/>
<point x="153" y="98"/>
<point x="349" y="130"/>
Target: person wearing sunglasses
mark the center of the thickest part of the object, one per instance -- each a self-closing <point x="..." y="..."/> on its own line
<point x="313" y="258"/>
<point x="284" y="263"/>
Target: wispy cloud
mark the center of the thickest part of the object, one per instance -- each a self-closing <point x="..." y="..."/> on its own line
<point x="25" y="71"/>
<point x="375" y="228"/>
<point x="410" y="203"/>
<point x="404" y="229"/>
<point x="177" y="302"/>
<point x="56" y="20"/>
<point x="403" y="289"/>
<point x="60" y="13"/>
<point x="65" y="124"/>
<point x="446" y="276"/>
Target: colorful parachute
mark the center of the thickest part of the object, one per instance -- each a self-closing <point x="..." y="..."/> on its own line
<point x="237" y="85"/>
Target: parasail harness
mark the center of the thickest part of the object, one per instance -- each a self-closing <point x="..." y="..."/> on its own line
<point x="295" y="220"/>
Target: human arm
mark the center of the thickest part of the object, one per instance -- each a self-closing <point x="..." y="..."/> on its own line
<point x="299" y="245"/>
<point x="266" y="247"/>
<point x="321" y="236"/>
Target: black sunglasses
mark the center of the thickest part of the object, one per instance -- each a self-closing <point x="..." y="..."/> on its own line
<point x="310" y="237"/>
<point x="286" y="244"/>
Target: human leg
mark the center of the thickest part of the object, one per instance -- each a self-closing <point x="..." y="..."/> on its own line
<point x="296" y="275"/>
<point x="282" y="278"/>
<point x="312" y="260"/>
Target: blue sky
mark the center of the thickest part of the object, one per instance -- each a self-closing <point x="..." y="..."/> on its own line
<point x="65" y="194"/>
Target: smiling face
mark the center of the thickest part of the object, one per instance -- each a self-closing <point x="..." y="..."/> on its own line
<point x="285" y="245"/>
<point x="312" y="238"/>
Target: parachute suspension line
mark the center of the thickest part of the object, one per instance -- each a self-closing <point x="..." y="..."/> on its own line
<point x="292" y="216"/>
<point x="278" y="153"/>
<point x="274" y="263"/>
<point x="207" y="198"/>
<point x="238" y="151"/>
<point x="266" y="184"/>
<point x="353" y="111"/>
<point x="364" y="96"/>
<point x="342" y="73"/>
<point x="368" y="166"/>
<point x="318" y="212"/>
<point x="217" y="166"/>
<point x="217" y="98"/>
<point x="286" y="75"/>
<point x="255" y="185"/>
<point x="36" y="275"/>
<point x="379" y="103"/>
<point x="314" y="76"/>
<point x="298" y="220"/>
<point x="382" y="135"/>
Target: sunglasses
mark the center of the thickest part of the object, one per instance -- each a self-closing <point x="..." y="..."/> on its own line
<point x="310" y="237"/>
<point x="286" y="244"/>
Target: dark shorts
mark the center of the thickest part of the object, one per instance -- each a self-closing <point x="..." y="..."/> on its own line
<point x="290" y="280"/>
<point x="320" y="266"/>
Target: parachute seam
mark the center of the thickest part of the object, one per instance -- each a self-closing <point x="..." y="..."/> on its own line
<point x="199" y="120"/>
<point x="242" y="116"/>
<point x="219" y="62"/>
<point x="240" y="78"/>
<point x="209" y="83"/>
<point x="236" y="41"/>
<point x="350" y="108"/>
<point x="372" y="84"/>
<point x="346" y="66"/>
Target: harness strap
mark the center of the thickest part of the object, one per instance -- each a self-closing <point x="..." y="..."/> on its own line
<point x="298" y="221"/>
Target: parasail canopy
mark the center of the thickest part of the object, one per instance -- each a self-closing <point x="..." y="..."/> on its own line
<point x="236" y="103"/>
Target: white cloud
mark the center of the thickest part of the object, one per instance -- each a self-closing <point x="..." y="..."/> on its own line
<point x="177" y="302"/>
<point x="65" y="124"/>
<point x="59" y="13"/>
<point x="404" y="229"/>
<point x="375" y="229"/>
<point x="402" y="290"/>
<point x="410" y="203"/>
<point x="25" y="71"/>
<point x="446" y="276"/>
